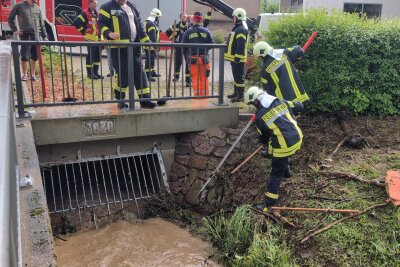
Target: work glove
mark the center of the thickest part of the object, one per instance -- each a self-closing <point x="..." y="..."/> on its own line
<point x="237" y="60"/>
<point x="264" y="154"/>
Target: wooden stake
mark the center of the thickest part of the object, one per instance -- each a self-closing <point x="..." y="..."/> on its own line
<point x="339" y="221"/>
<point x="313" y="210"/>
<point x="350" y="176"/>
<point x="246" y="160"/>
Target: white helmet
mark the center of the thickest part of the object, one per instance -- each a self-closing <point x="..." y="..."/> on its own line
<point x="261" y="49"/>
<point x="251" y="95"/>
<point x="156" y="12"/>
<point x="240" y="13"/>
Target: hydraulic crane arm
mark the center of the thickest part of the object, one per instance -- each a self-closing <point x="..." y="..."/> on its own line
<point x="227" y="10"/>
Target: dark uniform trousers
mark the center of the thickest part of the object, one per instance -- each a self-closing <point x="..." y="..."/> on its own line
<point x="150" y="62"/>
<point x="278" y="168"/>
<point x="238" y="75"/>
<point x="93" y="60"/>
<point x="120" y="64"/>
<point x="179" y="59"/>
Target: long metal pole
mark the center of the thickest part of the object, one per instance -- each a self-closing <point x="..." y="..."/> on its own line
<point x="228" y="153"/>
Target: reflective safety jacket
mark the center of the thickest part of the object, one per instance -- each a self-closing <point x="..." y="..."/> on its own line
<point x="280" y="78"/>
<point x="237" y="44"/>
<point x="86" y="23"/>
<point x="180" y="29"/>
<point x="153" y="32"/>
<point x="112" y="18"/>
<point x="197" y="35"/>
<point x="277" y="128"/>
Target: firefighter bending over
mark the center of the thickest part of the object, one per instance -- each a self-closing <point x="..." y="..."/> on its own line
<point x="119" y="21"/>
<point x="278" y="129"/>
<point x="86" y="23"/>
<point x="236" y="52"/>
<point x="198" y="56"/>
<point x="278" y="74"/>
<point x="153" y="31"/>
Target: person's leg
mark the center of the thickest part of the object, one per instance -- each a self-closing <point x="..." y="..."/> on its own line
<point x="278" y="166"/>
<point x="110" y="64"/>
<point x="234" y="94"/>
<point x="238" y="70"/>
<point x="153" y="56"/>
<point x="188" y="78"/>
<point x="96" y="62"/>
<point x="89" y="63"/>
<point x="178" y="63"/>
<point x="118" y="56"/>
<point x="141" y="82"/>
<point x="25" y="56"/>
<point x="34" y="59"/>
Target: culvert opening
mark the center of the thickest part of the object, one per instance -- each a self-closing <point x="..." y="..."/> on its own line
<point x="87" y="187"/>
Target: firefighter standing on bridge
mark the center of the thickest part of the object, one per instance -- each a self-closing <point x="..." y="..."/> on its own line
<point x="198" y="56"/>
<point x="278" y="130"/>
<point x="153" y="31"/>
<point x="86" y="23"/>
<point x="180" y="29"/>
<point x="278" y="73"/>
<point x="236" y="52"/>
<point x="119" y="21"/>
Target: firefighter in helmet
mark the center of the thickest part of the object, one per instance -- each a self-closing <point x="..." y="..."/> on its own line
<point x="278" y="73"/>
<point x="153" y="31"/>
<point x="279" y="131"/>
<point x="86" y="23"/>
<point x="236" y="52"/>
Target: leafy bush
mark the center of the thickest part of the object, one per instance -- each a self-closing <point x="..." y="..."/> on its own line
<point x="218" y="37"/>
<point x="270" y="6"/>
<point x="353" y="64"/>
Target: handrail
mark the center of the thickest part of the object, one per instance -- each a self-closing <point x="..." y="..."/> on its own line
<point x="10" y="245"/>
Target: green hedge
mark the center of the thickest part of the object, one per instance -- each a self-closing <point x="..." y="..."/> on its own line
<point x="353" y="64"/>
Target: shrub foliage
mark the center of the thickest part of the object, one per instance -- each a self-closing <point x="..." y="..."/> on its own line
<point x="353" y="64"/>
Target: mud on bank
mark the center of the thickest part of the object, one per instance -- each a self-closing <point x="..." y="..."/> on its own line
<point x="372" y="239"/>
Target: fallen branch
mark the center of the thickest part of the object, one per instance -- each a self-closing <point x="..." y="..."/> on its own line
<point x="246" y="160"/>
<point x="347" y="175"/>
<point x="276" y="217"/>
<point x="313" y="210"/>
<point x="56" y="236"/>
<point x="337" y="147"/>
<point x="341" y="220"/>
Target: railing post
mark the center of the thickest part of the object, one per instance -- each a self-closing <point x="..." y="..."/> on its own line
<point x="18" y="82"/>
<point x="131" y="78"/>
<point x="221" y="76"/>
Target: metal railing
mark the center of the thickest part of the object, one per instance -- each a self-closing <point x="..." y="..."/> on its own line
<point x="63" y="81"/>
<point x="10" y="245"/>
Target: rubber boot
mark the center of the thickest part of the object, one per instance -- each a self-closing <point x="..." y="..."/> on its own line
<point x="96" y="72"/>
<point x="145" y="103"/>
<point x="155" y="74"/>
<point x="120" y="96"/>
<point x="188" y="81"/>
<point x="90" y="74"/>
<point x="239" y="96"/>
<point x="288" y="172"/>
<point x="234" y="95"/>
<point x="149" y="77"/>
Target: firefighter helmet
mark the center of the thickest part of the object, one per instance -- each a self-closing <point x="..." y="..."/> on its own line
<point x="261" y="49"/>
<point x="240" y="13"/>
<point x="251" y="95"/>
<point x="156" y="12"/>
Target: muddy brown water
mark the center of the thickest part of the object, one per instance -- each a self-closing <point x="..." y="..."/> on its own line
<point x="152" y="242"/>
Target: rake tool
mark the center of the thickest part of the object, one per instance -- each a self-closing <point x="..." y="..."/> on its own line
<point x="213" y="175"/>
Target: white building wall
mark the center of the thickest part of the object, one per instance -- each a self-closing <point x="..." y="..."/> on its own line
<point x="390" y="8"/>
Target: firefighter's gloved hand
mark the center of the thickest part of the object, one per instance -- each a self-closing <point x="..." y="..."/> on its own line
<point x="237" y="60"/>
<point x="264" y="154"/>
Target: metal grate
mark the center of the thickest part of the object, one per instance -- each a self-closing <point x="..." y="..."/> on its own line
<point x="105" y="181"/>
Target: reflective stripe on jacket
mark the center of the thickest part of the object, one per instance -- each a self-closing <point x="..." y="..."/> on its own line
<point x="86" y="23"/>
<point x="237" y="44"/>
<point x="280" y="78"/>
<point x="277" y="128"/>
<point x="112" y="18"/>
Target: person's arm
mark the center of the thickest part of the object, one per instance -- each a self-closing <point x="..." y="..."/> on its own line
<point x="80" y="23"/>
<point x="264" y="78"/>
<point x="151" y="31"/>
<point x="241" y="40"/>
<point x="104" y="22"/>
<point x="11" y="18"/>
<point x="263" y="135"/>
<point x="294" y="53"/>
<point x="295" y="107"/>
<point x="207" y="19"/>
